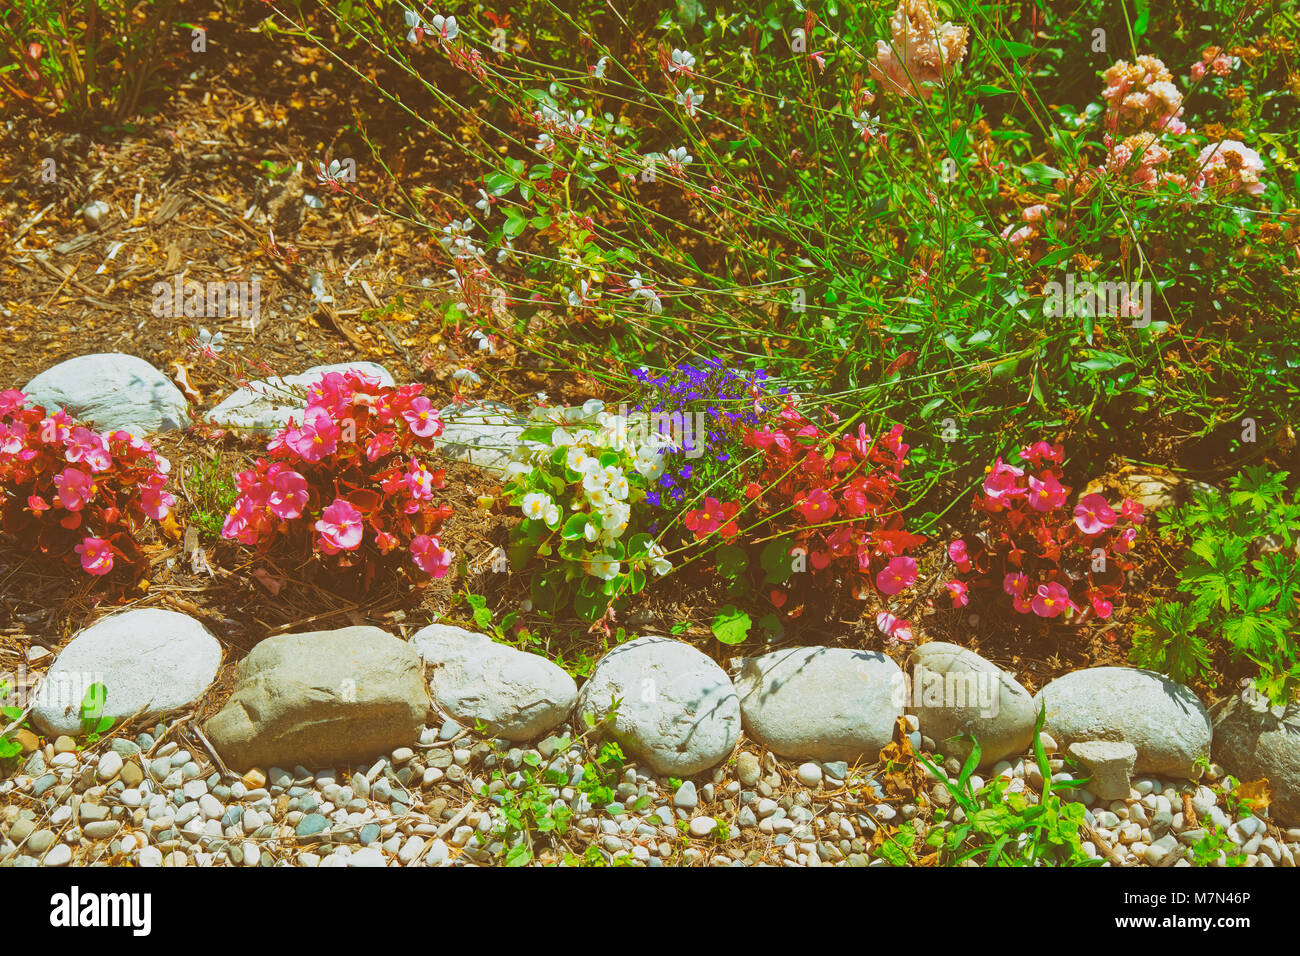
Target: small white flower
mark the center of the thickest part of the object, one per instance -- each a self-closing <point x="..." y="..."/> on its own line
<point x="544" y="143"/>
<point x="210" y="342"/>
<point x="598" y="71"/>
<point x="552" y="515"/>
<point x="619" y="488"/>
<point x="467" y="377"/>
<point x="484" y="341"/>
<point x="590" y="531"/>
<point x="575" y="459"/>
<point x="325" y="175"/>
<point x="866" y="126"/>
<point x="417" y="25"/>
<point x="484" y="202"/>
<point x="517" y="469"/>
<point x="535" y="505"/>
<point x="604" y="566"/>
<point x="445" y="27"/>
<point x="659" y="564"/>
<point x="679" y="157"/>
<point x="592" y="407"/>
<point x="682" y="62"/>
<point x="690" y="100"/>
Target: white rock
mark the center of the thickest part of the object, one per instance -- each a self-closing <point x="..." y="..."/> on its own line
<point x="60" y="855"/>
<point x="266" y="406"/>
<point x="485" y="434"/>
<point x="809" y="774"/>
<point x="113" y="391"/>
<point x="110" y="765"/>
<point x="149" y="660"/>
<point x="821" y="703"/>
<point x="678" y="711"/>
<point x="1163" y="720"/>
<point x="518" y="695"/>
<point x="1254" y="740"/>
<point x="702" y="826"/>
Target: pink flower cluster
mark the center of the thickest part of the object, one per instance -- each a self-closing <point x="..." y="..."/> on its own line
<point x="1142" y="96"/>
<point x="1038" y="548"/>
<point x="67" y="491"/>
<point x="924" y="52"/>
<point x="1213" y="60"/>
<point x="349" y="476"/>
<point x="1230" y="166"/>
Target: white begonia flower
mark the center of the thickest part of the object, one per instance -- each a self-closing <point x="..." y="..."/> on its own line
<point x="516" y="469"/>
<point x="575" y="458"/>
<point x="561" y="438"/>
<point x="604" y="566"/>
<point x="592" y="407"/>
<point x="552" y="515"/>
<point x="535" y="505"/>
<point x="594" y="483"/>
<point x="619" y="488"/>
<point x="616" y="517"/>
<point x="648" y="463"/>
<point x="590" y="532"/>
<point x="659" y="564"/>
<point x="600" y="499"/>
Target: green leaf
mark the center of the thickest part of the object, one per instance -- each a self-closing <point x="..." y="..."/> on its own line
<point x="731" y="625"/>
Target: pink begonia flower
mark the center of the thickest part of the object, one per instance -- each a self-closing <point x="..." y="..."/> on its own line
<point x="1001" y="482"/>
<point x="36" y="504"/>
<point x="1015" y="584"/>
<point x="1021" y="605"/>
<point x="1124" y="543"/>
<point x="10" y="400"/>
<point x="88" y="447"/>
<point x="816" y="506"/>
<point x="156" y="503"/>
<point x="1102" y="607"/>
<point x="240" y="523"/>
<point x="423" y="418"/>
<point x="1040" y="451"/>
<point x="957" y="551"/>
<point x="1045" y="495"/>
<point x="1051" y="600"/>
<point x="1132" y="510"/>
<point x="316" y="439"/>
<point x="379" y="446"/>
<point x="1017" y="235"/>
<point x="430" y="556"/>
<point x="385" y="541"/>
<point x="96" y="555"/>
<point x="288" y="495"/>
<point x="75" y="488"/>
<point x="894" y="628"/>
<point x="1093" y="515"/>
<point x="960" y="593"/>
<point x="898" y="574"/>
<point x="420" y="481"/>
<point x="340" y="527"/>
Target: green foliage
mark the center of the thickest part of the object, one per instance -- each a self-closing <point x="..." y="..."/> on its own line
<point x="1233" y="591"/>
<point x="100" y="57"/>
<point x="1216" y="847"/>
<point x="8" y="714"/>
<point x="93" y="720"/>
<point x="1008" y="829"/>
<point x="213" y="491"/>
<point x="535" y="817"/>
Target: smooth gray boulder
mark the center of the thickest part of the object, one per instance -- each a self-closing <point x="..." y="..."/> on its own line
<point x="519" y="696"/>
<point x="112" y="390"/>
<point x="1163" y="720"/>
<point x="322" y="698"/>
<point x="149" y="660"/>
<point x="484" y="434"/>
<point x="821" y="703"/>
<point x="266" y="406"/>
<point x="1254" y="740"/>
<point x="677" y="709"/>
<point x="955" y="693"/>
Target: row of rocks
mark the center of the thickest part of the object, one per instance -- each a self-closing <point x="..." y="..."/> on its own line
<point x="442" y="802"/>
<point x="347" y="694"/>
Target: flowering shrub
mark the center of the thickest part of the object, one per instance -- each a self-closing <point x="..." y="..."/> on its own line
<point x="348" y="482"/>
<point x="1040" y="552"/>
<point x="74" y="494"/>
<point x="924" y="51"/>
<point x="581" y="486"/>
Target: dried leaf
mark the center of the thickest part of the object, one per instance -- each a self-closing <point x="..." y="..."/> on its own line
<point x="268" y="581"/>
<point x="1255" y="795"/>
